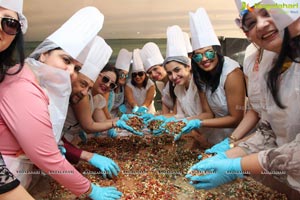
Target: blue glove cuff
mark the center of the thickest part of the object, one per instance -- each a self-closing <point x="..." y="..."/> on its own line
<point x="135" y="109"/>
<point x="93" y="159"/>
<point x="93" y="190"/>
<point x="237" y="166"/>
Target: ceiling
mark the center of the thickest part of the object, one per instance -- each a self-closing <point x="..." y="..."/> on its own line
<point x="130" y="18"/>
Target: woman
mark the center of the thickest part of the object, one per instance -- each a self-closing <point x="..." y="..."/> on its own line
<point x="153" y="63"/>
<point x="13" y="26"/>
<point x="219" y="77"/>
<point x="274" y="147"/>
<point x="189" y="101"/>
<point x="139" y="90"/>
<point x="89" y="112"/>
<point x="33" y="134"/>
<point x="122" y="65"/>
<point x="255" y="56"/>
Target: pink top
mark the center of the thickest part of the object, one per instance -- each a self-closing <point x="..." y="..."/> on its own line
<point x="25" y="125"/>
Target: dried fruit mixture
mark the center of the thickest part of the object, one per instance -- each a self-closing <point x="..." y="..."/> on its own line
<point x="152" y="168"/>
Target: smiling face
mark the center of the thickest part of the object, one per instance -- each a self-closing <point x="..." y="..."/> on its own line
<point x="104" y="82"/>
<point x="80" y="88"/>
<point x="5" y="39"/>
<point x="209" y="58"/>
<point x="262" y="30"/>
<point x="178" y="73"/>
<point x="123" y="75"/>
<point x="138" y="77"/>
<point x="157" y="73"/>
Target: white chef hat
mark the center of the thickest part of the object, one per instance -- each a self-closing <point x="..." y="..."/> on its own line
<point x="17" y="6"/>
<point x="123" y="60"/>
<point x="151" y="55"/>
<point x="283" y="16"/>
<point x="203" y="34"/>
<point x="176" y="49"/>
<point x="98" y="56"/>
<point x="187" y="42"/>
<point x="175" y="42"/>
<point x="78" y="32"/>
<point x="137" y="64"/>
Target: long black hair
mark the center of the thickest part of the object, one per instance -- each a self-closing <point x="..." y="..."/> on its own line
<point x="275" y="72"/>
<point x="8" y="57"/>
<point x="144" y="84"/>
<point x="202" y="77"/>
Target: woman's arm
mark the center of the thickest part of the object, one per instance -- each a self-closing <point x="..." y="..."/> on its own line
<point x="83" y="114"/>
<point x="105" y="109"/>
<point x="235" y="95"/>
<point x="165" y="109"/>
<point x="149" y="96"/>
<point x="206" y="111"/>
<point x="129" y="96"/>
<point x="249" y="121"/>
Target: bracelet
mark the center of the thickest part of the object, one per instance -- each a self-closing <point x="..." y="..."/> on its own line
<point x="233" y="138"/>
<point x="112" y="124"/>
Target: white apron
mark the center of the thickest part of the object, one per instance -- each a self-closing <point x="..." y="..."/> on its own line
<point x="188" y="101"/>
<point x="218" y="103"/>
<point x="286" y="125"/>
<point x="139" y="94"/>
<point x="57" y="85"/>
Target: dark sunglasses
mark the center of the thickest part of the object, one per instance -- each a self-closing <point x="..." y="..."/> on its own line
<point x="10" y="26"/>
<point x="106" y="80"/>
<point x="209" y="54"/>
<point x="123" y="75"/>
<point x="135" y="74"/>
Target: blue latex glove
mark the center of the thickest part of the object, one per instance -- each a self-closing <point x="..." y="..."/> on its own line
<point x="220" y="147"/>
<point x="218" y="156"/>
<point x="126" y="117"/>
<point x="104" y="193"/>
<point x="62" y="150"/>
<point x="221" y="172"/>
<point x="112" y="133"/>
<point x="142" y="110"/>
<point x="122" y="124"/>
<point x="147" y="117"/>
<point x="106" y="165"/>
<point x="190" y="125"/>
<point x="122" y="109"/>
<point x="135" y="109"/>
<point x="161" y="129"/>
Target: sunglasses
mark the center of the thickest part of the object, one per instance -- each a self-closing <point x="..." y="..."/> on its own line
<point x="123" y="75"/>
<point x="209" y="54"/>
<point x="106" y="80"/>
<point x="10" y="26"/>
<point x="135" y="74"/>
